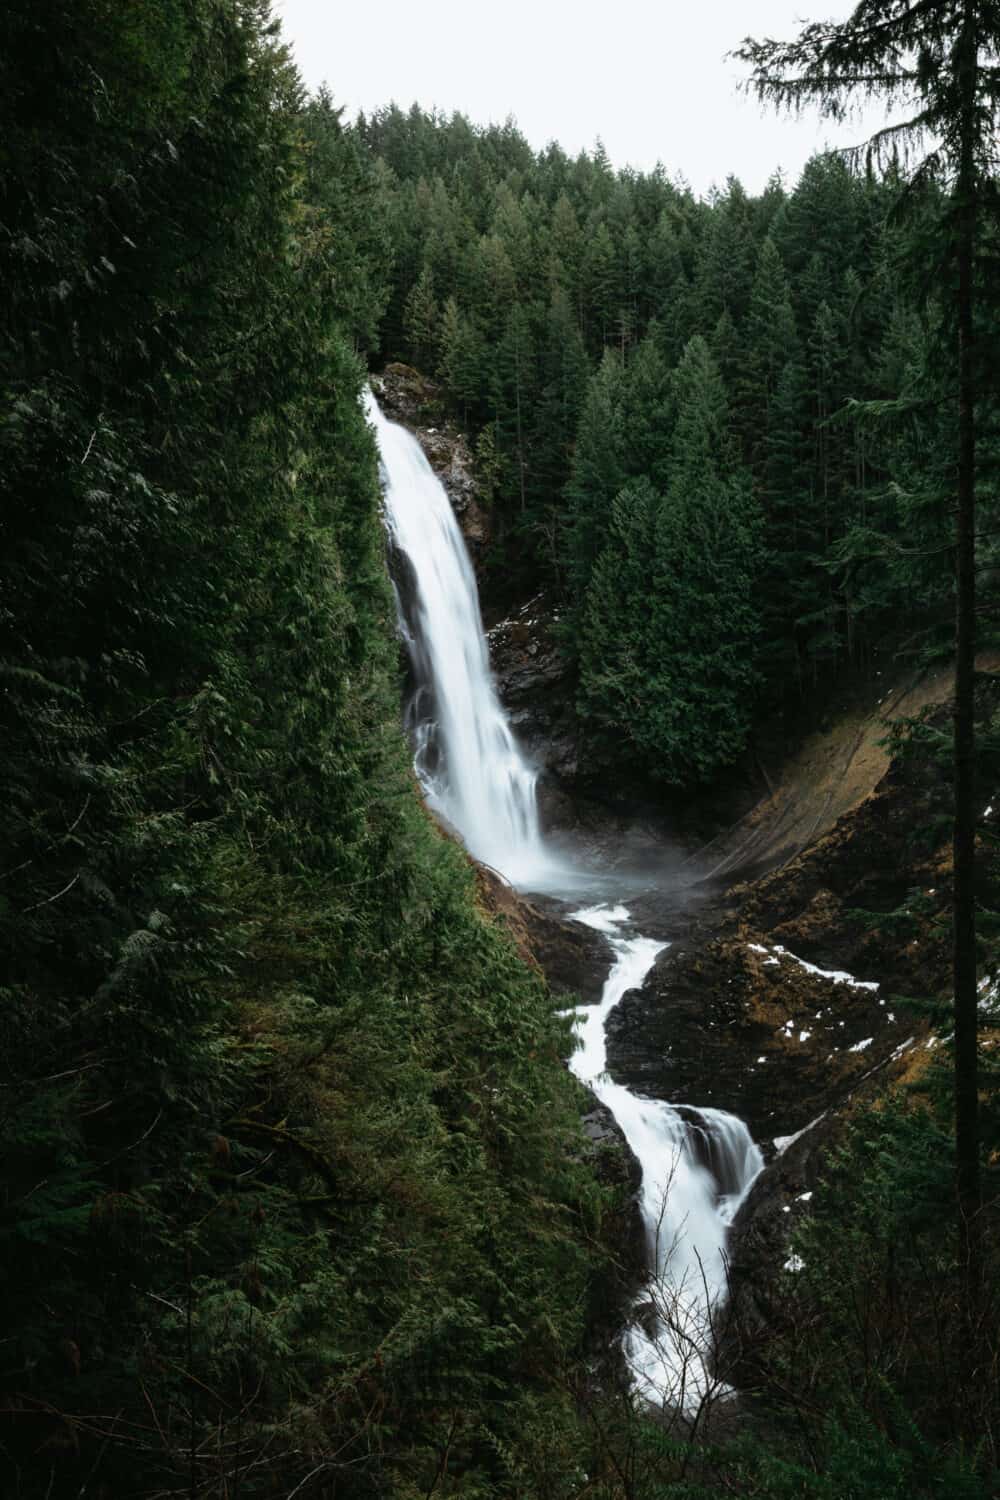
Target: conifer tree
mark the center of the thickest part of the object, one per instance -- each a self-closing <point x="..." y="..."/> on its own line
<point x="495" y="286"/>
<point x="420" y="318"/>
<point x="341" y="187"/>
<point x="663" y="267"/>
<point x="513" y="395"/>
<point x="460" y="358"/>
<point x="727" y="350"/>
<point x="600" y="468"/>
<point x="648" y="411"/>
<point x="795" y="579"/>
<point x="602" y="282"/>
<point x="726" y="268"/>
<point x="615" y="647"/>
<point x="563" y="373"/>
<point x="671" y="623"/>
<point x="565" y="251"/>
<point x="769" y="343"/>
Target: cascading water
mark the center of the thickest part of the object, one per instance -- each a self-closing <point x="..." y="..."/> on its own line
<point x="697" y="1165"/>
<point x="469" y="764"/>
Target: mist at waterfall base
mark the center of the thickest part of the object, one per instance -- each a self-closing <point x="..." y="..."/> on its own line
<point x="697" y="1164"/>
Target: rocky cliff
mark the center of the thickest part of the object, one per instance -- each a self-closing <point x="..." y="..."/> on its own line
<point x="797" y="938"/>
<point x="537" y="688"/>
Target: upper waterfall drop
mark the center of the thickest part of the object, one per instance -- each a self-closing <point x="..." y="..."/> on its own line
<point x="468" y="761"/>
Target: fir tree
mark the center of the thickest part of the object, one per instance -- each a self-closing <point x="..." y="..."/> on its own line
<point x="461" y="359"/>
<point x="671" y="620"/>
<point x="769" y="342"/>
<point x="420" y="318"/>
<point x="600" y="467"/>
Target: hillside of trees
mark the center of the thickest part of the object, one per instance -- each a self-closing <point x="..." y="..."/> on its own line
<point x="288" y="1189"/>
<point x="654" y="379"/>
<point x="295" y="1199"/>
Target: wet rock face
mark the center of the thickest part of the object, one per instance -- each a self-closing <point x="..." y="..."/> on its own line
<point x="616" y="1166"/>
<point x="890" y="855"/>
<point x="759" y="1245"/>
<point x="622" y="1232"/>
<point x="413" y="400"/>
<point x="739" y="1024"/>
<point x="735" y="1014"/>
<point x="536" y="687"/>
<point x="575" y="959"/>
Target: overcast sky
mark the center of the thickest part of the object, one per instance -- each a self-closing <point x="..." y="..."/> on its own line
<point x="651" y="79"/>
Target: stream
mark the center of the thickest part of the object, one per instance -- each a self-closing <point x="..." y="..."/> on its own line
<point x="697" y="1164"/>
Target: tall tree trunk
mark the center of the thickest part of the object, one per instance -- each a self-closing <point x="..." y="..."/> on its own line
<point x="966" y="997"/>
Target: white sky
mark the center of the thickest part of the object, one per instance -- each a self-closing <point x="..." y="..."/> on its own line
<point x="651" y="79"/>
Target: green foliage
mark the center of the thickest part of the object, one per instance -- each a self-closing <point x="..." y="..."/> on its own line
<point x="600" y="467"/>
<point x="421" y="318"/>
<point x="293" y="1195"/>
<point x="670" y="626"/>
<point x="567" y="295"/>
<point x="872" y="1350"/>
<point x="292" y="1177"/>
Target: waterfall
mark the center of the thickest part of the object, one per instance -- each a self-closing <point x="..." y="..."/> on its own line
<point x="697" y="1164"/>
<point x="469" y="764"/>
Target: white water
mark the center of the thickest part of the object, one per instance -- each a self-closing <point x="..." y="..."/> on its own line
<point x="697" y="1165"/>
<point x="470" y="767"/>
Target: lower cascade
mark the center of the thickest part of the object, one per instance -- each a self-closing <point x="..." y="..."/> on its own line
<point x="697" y="1164"/>
<point x="697" y="1167"/>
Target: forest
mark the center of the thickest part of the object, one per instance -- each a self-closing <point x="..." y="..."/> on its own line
<point x="295" y="1198"/>
<point x="653" y="375"/>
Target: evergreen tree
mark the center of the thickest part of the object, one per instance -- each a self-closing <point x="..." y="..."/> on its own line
<point x="420" y="318"/>
<point x="513" y="397"/>
<point x="340" y="188"/>
<point x="769" y="343"/>
<point x="246" y="1090"/>
<point x="495" y="286"/>
<point x="461" y="359"/>
<point x="615" y="642"/>
<point x="663" y="267"/>
<point x="603" y="286"/>
<point x="726" y="267"/>
<point x="565" y="249"/>
<point x="564" y="372"/>
<point x="671" y="619"/>
<point x="796" y="582"/>
<point x="600" y="468"/>
<point x="513" y="231"/>
<point x="647" y="412"/>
